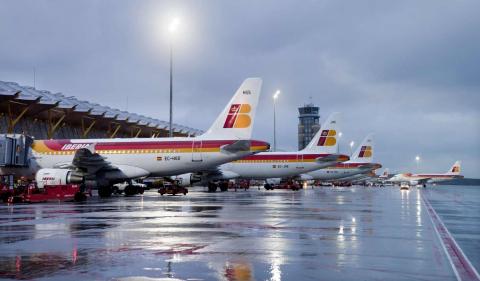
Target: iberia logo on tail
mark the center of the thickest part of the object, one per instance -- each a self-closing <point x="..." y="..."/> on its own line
<point x="238" y="116"/>
<point x="365" y="151"/>
<point x="327" y="138"/>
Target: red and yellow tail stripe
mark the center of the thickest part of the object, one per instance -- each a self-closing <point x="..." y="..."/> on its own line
<point x="365" y="151"/>
<point x="327" y="138"/>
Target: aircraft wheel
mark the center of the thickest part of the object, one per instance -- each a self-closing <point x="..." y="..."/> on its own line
<point x="141" y="190"/>
<point x="4" y="196"/>
<point x="212" y="187"/>
<point x="105" y="191"/>
<point x="223" y="187"/>
<point x="130" y="190"/>
<point x="80" y="197"/>
<point x="268" y="186"/>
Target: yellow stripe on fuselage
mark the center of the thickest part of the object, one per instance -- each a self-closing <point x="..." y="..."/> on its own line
<point x="40" y="147"/>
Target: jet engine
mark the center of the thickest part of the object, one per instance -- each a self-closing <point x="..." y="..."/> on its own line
<point x="187" y="179"/>
<point x="45" y="177"/>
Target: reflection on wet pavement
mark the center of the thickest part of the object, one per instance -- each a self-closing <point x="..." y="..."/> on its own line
<point x="322" y="234"/>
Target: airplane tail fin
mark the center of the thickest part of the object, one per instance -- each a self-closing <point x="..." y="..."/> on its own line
<point x="385" y="173"/>
<point x="455" y="169"/>
<point x="236" y="119"/>
<point x="325" y="140"/>
<point x="364" y="152"/>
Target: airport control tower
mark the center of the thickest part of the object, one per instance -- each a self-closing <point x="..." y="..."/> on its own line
<point x="308" y="124"/>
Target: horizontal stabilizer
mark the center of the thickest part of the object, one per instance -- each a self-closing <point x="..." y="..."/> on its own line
<point x="332" y="158"/>
<point x="238" y="146"/>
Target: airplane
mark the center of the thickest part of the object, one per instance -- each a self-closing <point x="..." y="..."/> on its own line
<point x="319" y="153"/>
<point x="103" y="162"/>
<point x="360" y="163"/>
<point x="423" y="179"/>
<point x="385" y="175"/>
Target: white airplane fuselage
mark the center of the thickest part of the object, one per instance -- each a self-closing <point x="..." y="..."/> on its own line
<point x="415" y="178"/>
<point x="139" y="157"/>
<point x="339" y="171"/>
<point x="277" y="165"/>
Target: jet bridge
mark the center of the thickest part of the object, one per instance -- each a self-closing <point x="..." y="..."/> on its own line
<point x="14" y="150"/>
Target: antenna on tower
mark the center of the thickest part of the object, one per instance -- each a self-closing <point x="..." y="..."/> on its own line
<point x="34" y="78"/>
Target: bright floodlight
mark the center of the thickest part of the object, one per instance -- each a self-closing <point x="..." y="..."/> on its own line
<point x="340" y="134"/>
<point x="417" y="158"/>
<point x="172" y="28"/>
<point x="352" y="143"/>
<point x="277" y="93"/>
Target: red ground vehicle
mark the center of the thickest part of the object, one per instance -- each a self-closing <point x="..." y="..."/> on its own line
<point x="288" y="184"/>
<point x="171" y="188"/>
<point x="33" y="194"/>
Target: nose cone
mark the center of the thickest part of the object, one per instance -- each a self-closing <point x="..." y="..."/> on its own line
<point x="259" y="146"/>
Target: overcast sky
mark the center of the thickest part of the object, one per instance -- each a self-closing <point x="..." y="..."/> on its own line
<point x="408" y="71"/>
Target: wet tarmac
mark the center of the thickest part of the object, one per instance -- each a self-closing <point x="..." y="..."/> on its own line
<point x="354" y="233"/>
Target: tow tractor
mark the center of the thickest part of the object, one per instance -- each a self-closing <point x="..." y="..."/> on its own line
<point x="287" y="184"/>
<point x="172" y="188"/>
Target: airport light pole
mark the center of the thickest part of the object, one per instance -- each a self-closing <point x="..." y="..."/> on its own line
<point x="417" y="159"/>
<point x="275" y="97"/>
<point x="172" y="28"/>
<point x="352" y="143"/>
<point x="340" y="134"/>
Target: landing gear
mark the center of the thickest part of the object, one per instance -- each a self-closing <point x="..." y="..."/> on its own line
<point x="212" y="187"/>
<point x="79" y="197"/>
<point x="130" y="190"/>
<point x="268" y="186"/>
<point x="105" y="191"/>
<point x="223" y="186"/>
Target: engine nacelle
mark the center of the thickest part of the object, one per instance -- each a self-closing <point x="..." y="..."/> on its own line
<point x="57" y="177"/>
<point x="273" y="181"/>
<point x="187" y="179"/>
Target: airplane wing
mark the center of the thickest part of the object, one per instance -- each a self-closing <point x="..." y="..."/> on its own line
<point x="87" y="160"/>
<point x="422" y="181"/>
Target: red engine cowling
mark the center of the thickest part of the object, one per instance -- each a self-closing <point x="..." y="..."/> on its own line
<point x="57" y="177"/>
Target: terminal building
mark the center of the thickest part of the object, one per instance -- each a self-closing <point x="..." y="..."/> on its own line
<point x="308" y="124"/>
<point x="45" y="115"/>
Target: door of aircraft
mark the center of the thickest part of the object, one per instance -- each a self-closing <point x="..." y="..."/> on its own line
<point x="197" y="151"/>
<point x="299" y="163"/>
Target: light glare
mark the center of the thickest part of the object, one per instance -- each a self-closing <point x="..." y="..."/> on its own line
<point x="277" y="93"/>
<point x="173" y="26"/>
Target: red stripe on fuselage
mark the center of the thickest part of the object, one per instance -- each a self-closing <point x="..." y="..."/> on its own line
<point x="57" y="145"/>
<point x="261" y="156"/>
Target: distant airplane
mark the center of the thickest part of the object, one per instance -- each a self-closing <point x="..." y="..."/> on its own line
<point x="361" y="163"/>
<point x="321" y="152"/>
<point x="423" y="179"/>
<point x="103" y="162"/>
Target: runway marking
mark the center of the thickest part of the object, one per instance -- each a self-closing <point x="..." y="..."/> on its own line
<point x="462" y="267"/>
